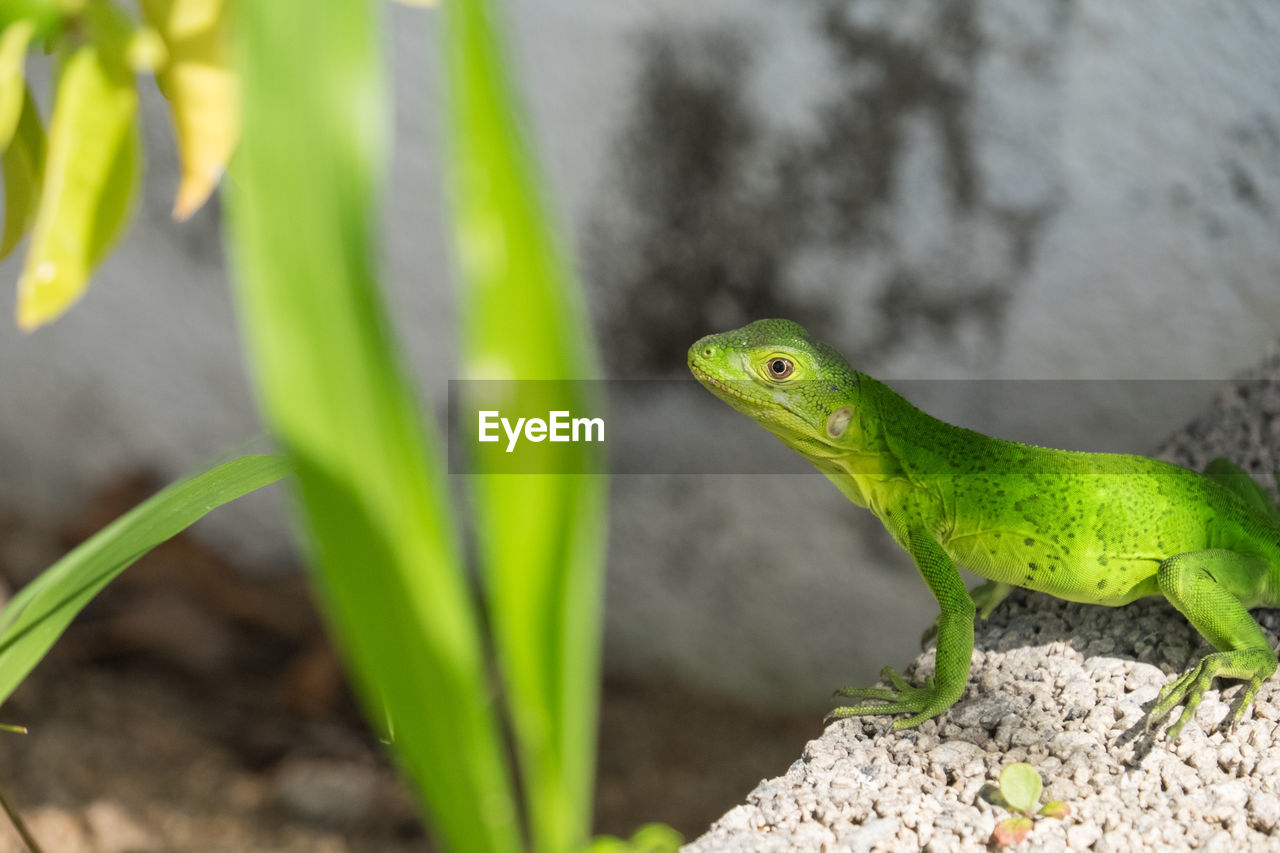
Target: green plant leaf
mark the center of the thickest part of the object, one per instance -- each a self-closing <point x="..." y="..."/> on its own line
<point x="1056" y="808"/>
<point x="1012" y="830"/>
<point x="22" y="165"/>
<point x="14" y="40"/>
<point x="88" y="184"/>
<point x="1020" y="786"/>
<point x="371" y="482"/>
<point x="540" y="536"/>
<point x="35" y="617"/>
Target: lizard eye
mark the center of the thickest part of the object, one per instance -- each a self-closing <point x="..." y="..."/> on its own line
<point x="781" y="368"/>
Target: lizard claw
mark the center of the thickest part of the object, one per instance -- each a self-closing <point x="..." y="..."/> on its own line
<point x="1189" y="688"/>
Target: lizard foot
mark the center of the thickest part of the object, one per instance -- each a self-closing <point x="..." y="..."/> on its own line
<point x="902" y="698"/>
<point x="1188" y="689"/>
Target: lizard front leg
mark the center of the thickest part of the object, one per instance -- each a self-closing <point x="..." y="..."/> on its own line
<point x="1208" y="587"/>
<point x="986" y="598"/>
<point x="955" y="647"/>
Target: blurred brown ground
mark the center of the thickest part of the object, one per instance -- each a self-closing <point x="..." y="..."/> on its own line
<point x="193" y="707"/>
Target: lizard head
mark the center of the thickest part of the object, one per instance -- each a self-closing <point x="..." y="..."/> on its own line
<point x="801" y="390"/>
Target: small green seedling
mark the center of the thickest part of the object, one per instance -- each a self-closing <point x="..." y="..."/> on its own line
<point x="1019" y="792"/>
<point x="650" y="838"/>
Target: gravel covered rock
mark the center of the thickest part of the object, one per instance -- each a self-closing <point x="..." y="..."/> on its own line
<point x="1063" y="687"/>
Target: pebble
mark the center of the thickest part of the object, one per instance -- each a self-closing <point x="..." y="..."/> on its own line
<point x="327" y="791"/>
<point x="115" y="831"/>
<point x="1264" y="811"/>
<point x="1083" y="835"/>
<point x="871" y="833"/>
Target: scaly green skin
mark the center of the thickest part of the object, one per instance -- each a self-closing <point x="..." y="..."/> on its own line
<point x="1099" y="528"/>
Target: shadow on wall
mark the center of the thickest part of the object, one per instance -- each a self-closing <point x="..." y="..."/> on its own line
<point x="867" y="224"/>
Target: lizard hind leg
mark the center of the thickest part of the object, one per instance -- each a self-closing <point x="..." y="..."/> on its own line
<point x="1210" y="588"/>
<point x="1226" y="473"/>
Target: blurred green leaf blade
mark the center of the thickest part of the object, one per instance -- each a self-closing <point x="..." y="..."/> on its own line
<point x="34" y="619"/>
<point x="376" y="506"/>
<point x="541" y="537"/>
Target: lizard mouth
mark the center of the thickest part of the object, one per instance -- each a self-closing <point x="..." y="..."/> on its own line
<point x="721" y="386"/>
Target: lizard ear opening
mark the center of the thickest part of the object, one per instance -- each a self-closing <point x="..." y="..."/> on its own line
<point x="838" y="421"/>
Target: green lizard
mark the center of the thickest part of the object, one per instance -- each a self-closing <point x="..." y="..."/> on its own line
<point x="1100" y="528"/>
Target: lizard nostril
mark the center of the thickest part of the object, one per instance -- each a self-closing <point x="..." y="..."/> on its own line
<point x="707" y="351"/>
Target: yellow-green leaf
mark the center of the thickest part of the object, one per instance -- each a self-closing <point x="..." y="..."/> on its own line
<point x="88" y="184"/>
<point x="1020" y="785"/>
<point x="117" y="196"/>
<point x="14" y="40"/>
<point x="22" y="165"/>
<point x="1056" y="808"/>
<point x="203" y="92"/>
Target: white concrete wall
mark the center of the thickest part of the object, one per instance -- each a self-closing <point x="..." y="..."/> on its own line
<point x="976" y="189"/>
